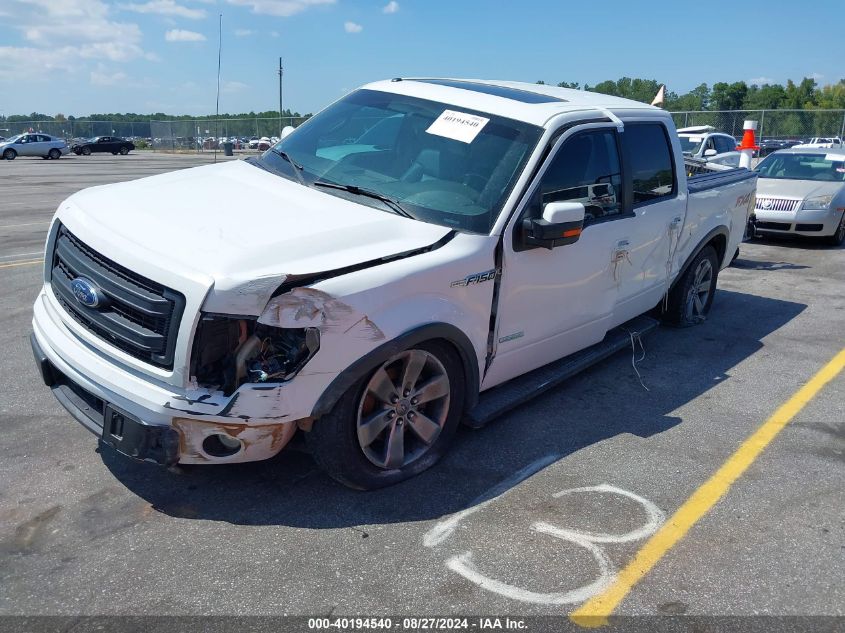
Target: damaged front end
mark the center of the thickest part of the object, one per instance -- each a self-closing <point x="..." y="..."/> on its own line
<point x="244" y="404"/>
<point x="230" y="351"/>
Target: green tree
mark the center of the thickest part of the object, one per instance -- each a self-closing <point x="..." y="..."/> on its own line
<point x="729" y="96"/>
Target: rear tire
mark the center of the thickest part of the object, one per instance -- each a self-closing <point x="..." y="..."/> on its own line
<point x="10" y="154"/>
<point x="54" y="154"/>
<point x="373" y="437"/>
<point x="839" y="235"/>
<point x="691" y="298"/>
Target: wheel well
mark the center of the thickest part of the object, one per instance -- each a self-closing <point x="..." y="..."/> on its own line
<point x="720" y="243"/>
<point x="441" y="332"/>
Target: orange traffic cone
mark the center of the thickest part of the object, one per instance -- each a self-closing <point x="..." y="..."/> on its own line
<point x="748" y="145"/>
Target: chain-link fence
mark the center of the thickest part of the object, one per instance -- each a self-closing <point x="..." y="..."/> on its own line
<point x="195" y="135"/>
<point x="774" y="124"/>
<point x="79" y="128"/>
<point x="204" y="134"/>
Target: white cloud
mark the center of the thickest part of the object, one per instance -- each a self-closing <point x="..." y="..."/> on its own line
<point x="352" y="27"/>
<point x="274" y="34"/>
<point x="181" y="35"/>
<point x="230" y="87"/>
<point x="63" y="35"/>
<point x="281" y="8"/>
<point x="816" y="76"/>
<point x="391" y="7"/>
<point x="243" y="32"/>
<point x="101" y="77"/>
<point x="760" y="81"/>
<point x="165" y="7"/>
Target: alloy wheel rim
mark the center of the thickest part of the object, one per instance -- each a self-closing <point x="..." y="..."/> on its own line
<point x="700" y="291"/>
<point x="403" y="409"/>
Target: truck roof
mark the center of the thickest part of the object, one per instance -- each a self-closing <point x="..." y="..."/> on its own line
<point x="532" y="103"/>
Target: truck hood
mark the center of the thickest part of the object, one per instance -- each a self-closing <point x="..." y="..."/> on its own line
<point x="240" y="227"/>
<point x="782" y="188"/>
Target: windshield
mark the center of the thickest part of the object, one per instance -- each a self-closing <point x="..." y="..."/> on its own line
<point x="443" y="164"/>
<point x="12" y="139"/>
<point x="824" y="167"/>
<point x="690" y="144"/>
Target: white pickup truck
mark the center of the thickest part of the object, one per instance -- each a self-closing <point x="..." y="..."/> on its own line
<point x="407" y="249"/>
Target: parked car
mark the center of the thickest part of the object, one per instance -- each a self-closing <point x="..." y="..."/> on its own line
<point x="703" y="142"/>
<point x="103" y="144"/>
<point x="264" y="143"/>
<point x="33" y="144"/>
<point x="830" y="142"/>
<point x="801" y="191"/>
<point x="769" y="145"/>
<point x="372" y="300"/>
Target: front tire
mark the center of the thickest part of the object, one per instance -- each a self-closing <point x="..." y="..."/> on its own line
<point x="691" y="298"/>
<point x="839" y="235"/>
<point x="86" y="151"/>
<point x="10" y="154"/>
<point x="124" y="151"/>
<point x="394" y="423"/>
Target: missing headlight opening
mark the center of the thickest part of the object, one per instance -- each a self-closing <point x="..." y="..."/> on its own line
<point x="229" y="352"/>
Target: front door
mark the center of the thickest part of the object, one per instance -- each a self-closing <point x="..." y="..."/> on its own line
<point x="555" y="302"/>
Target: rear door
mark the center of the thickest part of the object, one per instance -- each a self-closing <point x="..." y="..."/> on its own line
<point x="642" y="258"/>
<point x="44" y="144"/>
<point x="554" y="302"/>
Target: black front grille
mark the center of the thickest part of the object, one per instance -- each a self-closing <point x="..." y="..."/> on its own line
<point x="809" y="227"/>
<point x="775" y="226"/>
<point x="140" y="317"/>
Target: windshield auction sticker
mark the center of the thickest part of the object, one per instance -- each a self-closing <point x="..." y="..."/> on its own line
<point x="458" y="126"/>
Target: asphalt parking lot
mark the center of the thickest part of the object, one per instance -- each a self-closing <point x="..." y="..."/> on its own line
<point x="89" y="532"/>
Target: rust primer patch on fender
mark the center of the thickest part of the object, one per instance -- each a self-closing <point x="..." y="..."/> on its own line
<point x="307" y="307"/>
<point x="259" y="442"/>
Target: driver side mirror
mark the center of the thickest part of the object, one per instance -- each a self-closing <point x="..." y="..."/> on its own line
<point x="710" y="152"/>
<point x="560" y="225"/>
<point x="286" y="131"/>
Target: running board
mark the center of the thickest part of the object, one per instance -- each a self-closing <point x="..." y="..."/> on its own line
<point x="507" y="396"/>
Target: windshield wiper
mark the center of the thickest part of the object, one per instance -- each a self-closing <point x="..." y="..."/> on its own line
<point x="297" y="168"/>
<point x="358" y="191"/>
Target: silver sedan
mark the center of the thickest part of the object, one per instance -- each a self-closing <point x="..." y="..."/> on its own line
<point x="33" y="144"/>
<point x="802" y="191"/>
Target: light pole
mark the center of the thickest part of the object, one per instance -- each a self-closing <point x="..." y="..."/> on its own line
<point x="281" y="74"/>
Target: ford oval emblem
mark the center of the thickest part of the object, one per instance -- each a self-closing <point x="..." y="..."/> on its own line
<point x="86" y="292"/>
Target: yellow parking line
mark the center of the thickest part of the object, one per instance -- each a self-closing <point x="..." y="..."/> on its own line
<point x="595" y="611"/>
<point x="26" y="263"/>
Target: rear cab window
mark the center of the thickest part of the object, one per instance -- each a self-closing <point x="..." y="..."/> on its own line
<point x="651" y="163"/>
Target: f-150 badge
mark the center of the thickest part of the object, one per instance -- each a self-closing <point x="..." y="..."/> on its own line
<point x="476" y="278"/>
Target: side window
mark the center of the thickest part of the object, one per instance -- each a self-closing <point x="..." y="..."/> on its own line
<point x="725" y="144"/>
<point x="652" y="168"/>
<point x="43" y="139"/>
<point x="586" y="169"/>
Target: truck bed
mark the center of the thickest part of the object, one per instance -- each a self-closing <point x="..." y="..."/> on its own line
<point x="702" y="175"/>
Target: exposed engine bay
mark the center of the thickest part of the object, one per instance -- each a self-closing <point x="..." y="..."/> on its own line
<point x="229" y="351"/>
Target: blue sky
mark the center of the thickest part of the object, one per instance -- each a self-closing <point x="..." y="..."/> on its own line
<point x="84" y="56"/>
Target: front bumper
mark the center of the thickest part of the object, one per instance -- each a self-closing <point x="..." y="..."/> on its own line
<point x="809" y="223"/>
<point x="150" y="420"/>
<point x="116" y="428"/>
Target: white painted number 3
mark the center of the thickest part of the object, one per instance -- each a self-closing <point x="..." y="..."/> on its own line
<point x="591" y="541"/>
